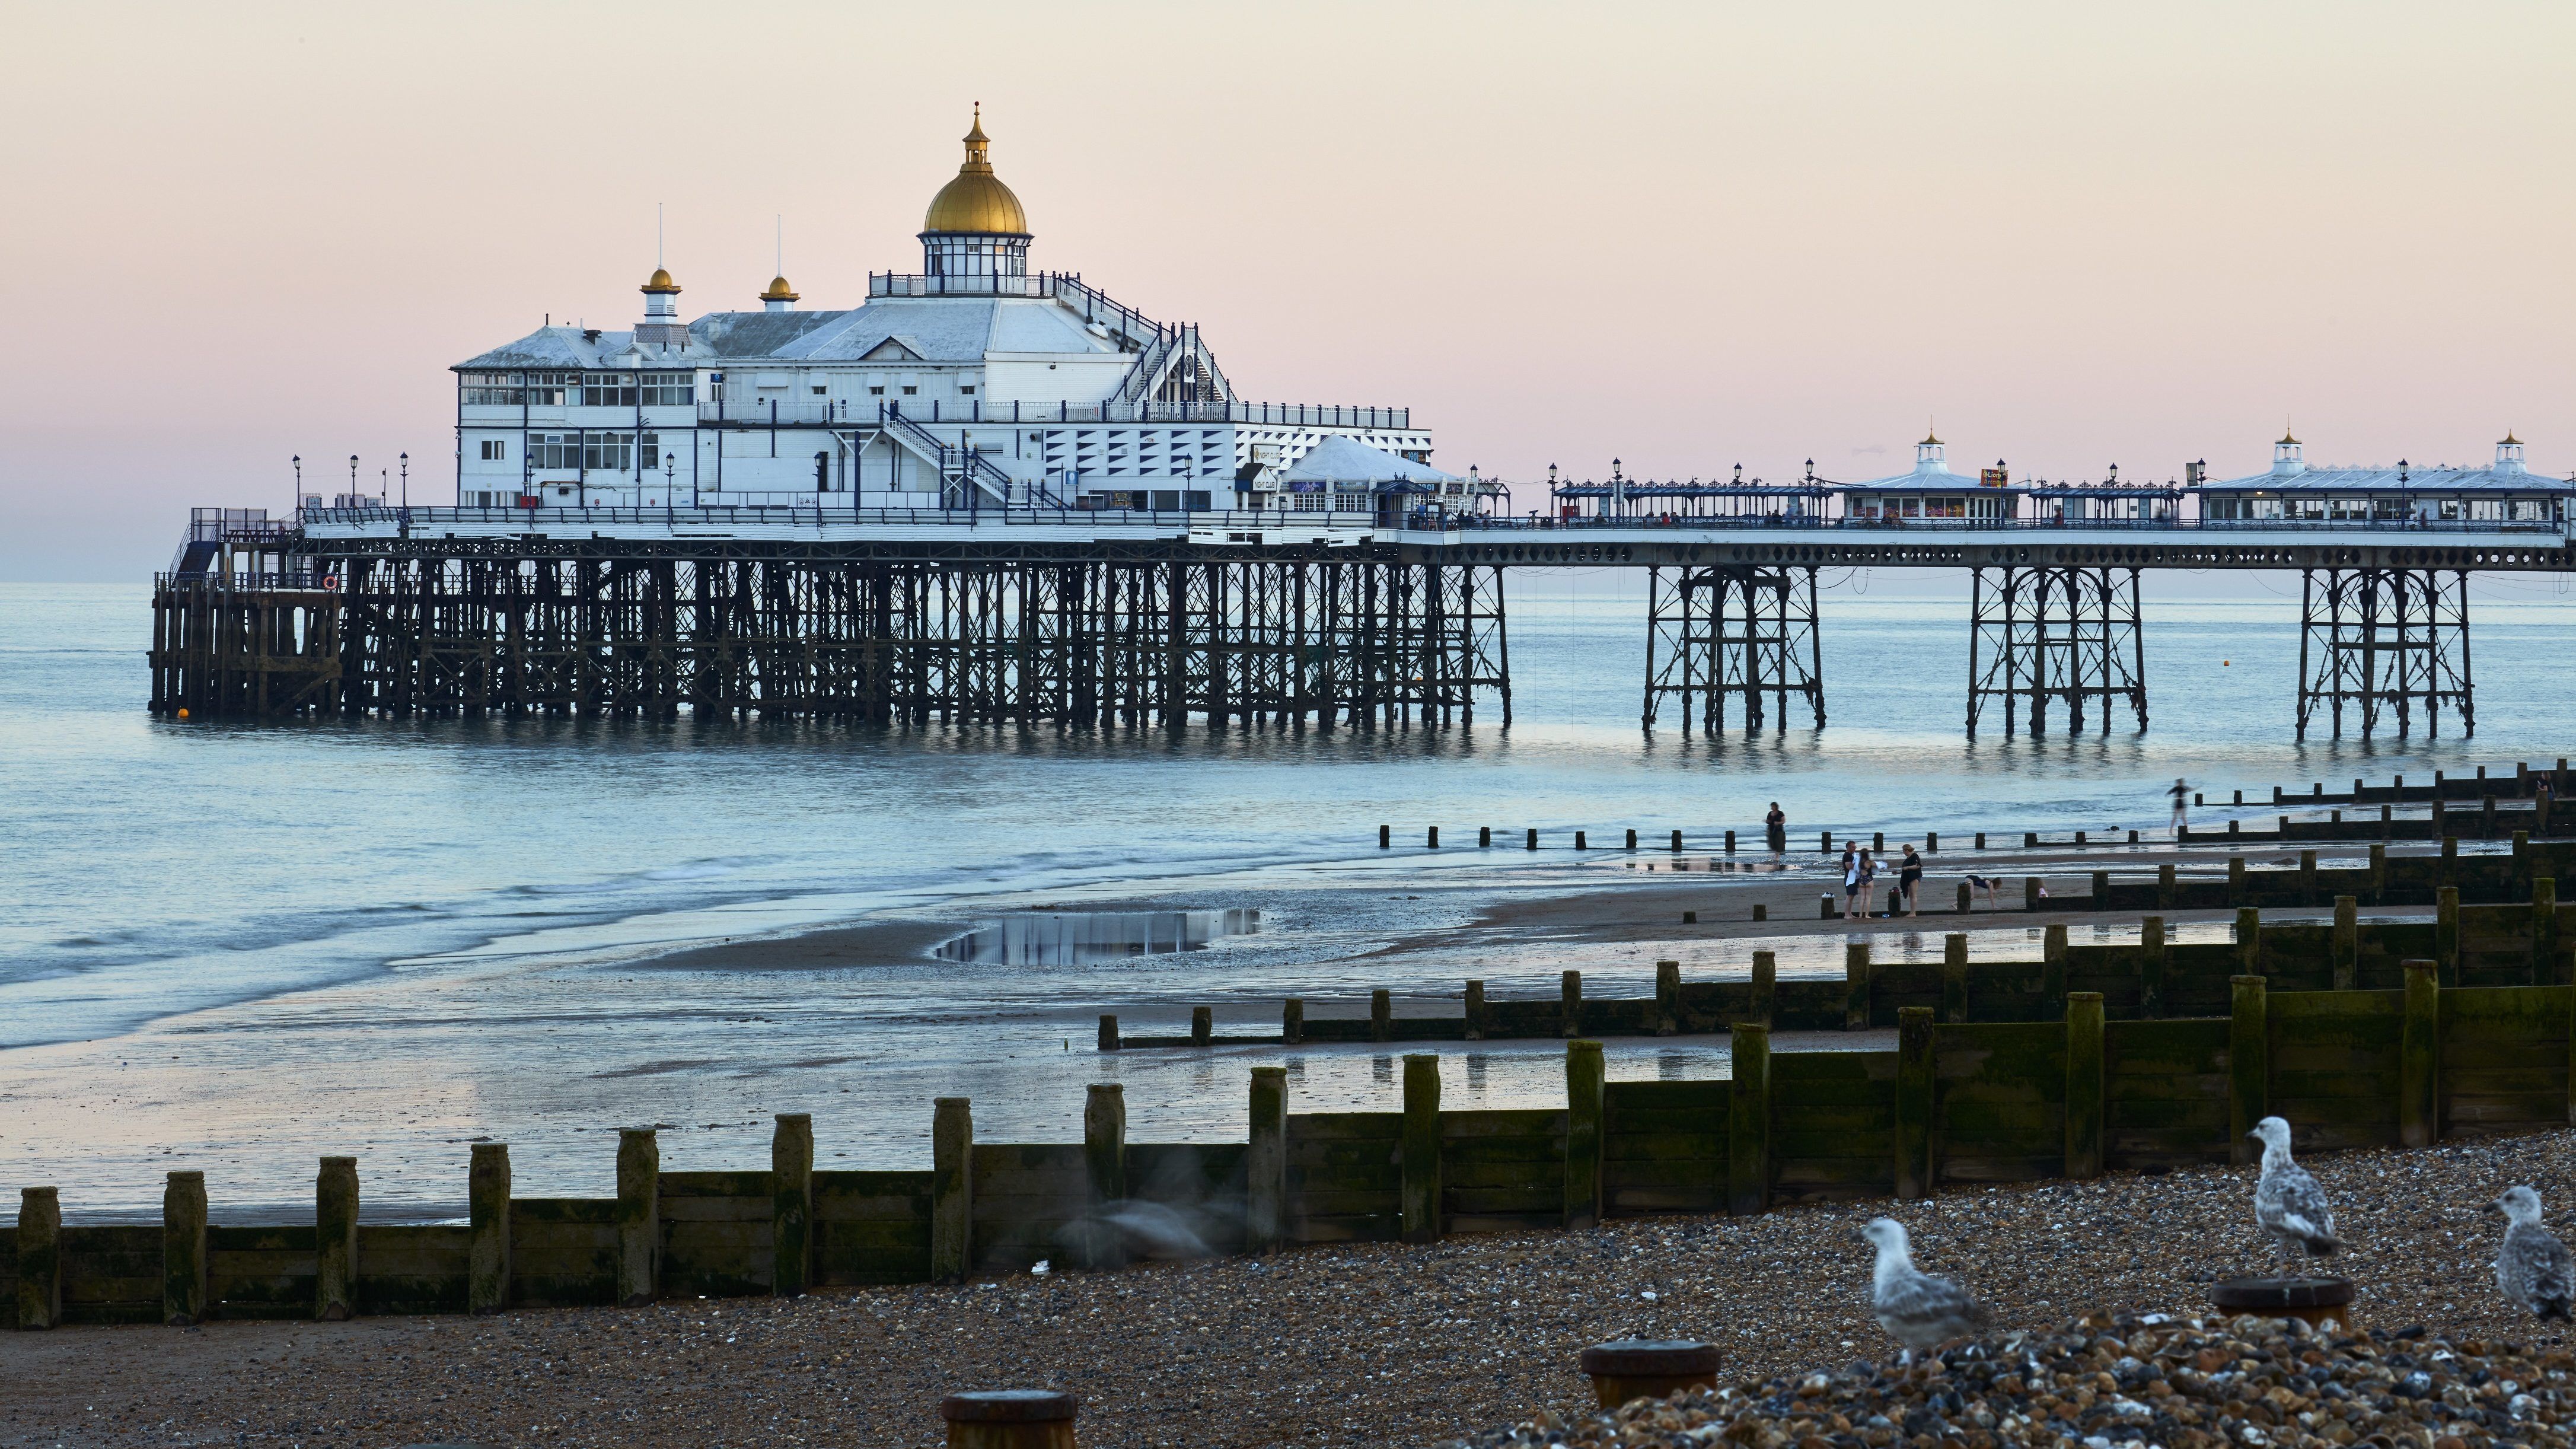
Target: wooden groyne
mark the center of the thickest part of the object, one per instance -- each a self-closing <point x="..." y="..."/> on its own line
<point x="1955" y="1102"/>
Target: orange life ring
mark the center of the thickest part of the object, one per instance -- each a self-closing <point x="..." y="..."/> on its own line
<point x="331" y="582"/>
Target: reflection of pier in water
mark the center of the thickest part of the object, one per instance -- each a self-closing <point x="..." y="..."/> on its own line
<point x="1078" y="938"/>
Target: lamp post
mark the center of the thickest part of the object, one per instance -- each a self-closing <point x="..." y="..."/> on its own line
<point x="670" y="476"/>
<point x="406" y="482"/>
<point x="353" y="480"/>
<point x="297" y="508"/>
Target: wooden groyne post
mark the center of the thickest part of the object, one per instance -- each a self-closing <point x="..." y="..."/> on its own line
<point x="1265" y="1162"/>
<point x="1584" y="1086"/>
<point x="639" y="1216"/>
<point x="183" y="1249"/>
<point x="335" y="1240"/>
<point x="791" y="1219"/>
<point x="487" y="1193"/>
<point x="1420" y="1179"/>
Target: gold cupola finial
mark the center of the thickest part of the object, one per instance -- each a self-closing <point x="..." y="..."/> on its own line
<point x="975" y="200"/>
<point x="778" y="291"/>
<point x="2510" y="441"/>
<point x="2287" y="437"/>
<point x="660" y="283"/>
<point x="1931" y="435"/>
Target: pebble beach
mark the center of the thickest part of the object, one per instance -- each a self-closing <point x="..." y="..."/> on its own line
<point x="1348" y="1345"/>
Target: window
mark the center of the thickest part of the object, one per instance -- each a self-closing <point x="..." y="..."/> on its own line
<point x="495" y="450"/>
<point x="909" y="391"/>
<point x="549" y="451"/>
<point x="648" y="451"/>
<point x="608" y="452"/>
<point x="965" y="389"/>
<point x="491" y="389"/>
<point x="667" y="389"/>
<point x="608" y="390"/>
<point x="818" y="389"/>
<point x="546" y="389"/>
<point x="876" y="392"/>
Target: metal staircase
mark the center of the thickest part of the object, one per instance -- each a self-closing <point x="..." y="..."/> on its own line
<point x="967" y="478"/>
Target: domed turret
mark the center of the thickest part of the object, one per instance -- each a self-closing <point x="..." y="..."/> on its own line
<point x="975" y="227"/>
<point x="661" y="326"/>
<point x="779" y="298"/>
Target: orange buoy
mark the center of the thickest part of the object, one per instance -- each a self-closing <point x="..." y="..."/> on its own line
<point x="183" y="711"/>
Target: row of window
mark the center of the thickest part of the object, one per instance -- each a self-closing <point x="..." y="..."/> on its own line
<point x="604" y="452"/>
<point x="590" y="389"/>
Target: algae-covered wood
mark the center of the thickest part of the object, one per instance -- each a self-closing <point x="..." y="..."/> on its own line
<point x="2334" y="1057"/>
<point x="111" y="1274"/>
<point x="1999" y="1101"/>
<point x="717" y="1232"/>
<point x="2165" y="1093"/>
<point x="871" y="1227"/>
<point x="413" y="1267"/>
<point x="1664" y="1146"/>
<point x="563" y="1252"/>
<point x="1833" y="1125"/>
<point x="1344" y="1176"/>
<point x="2503" y="1059"/>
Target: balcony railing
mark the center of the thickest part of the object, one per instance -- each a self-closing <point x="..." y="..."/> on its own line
<point x="834" y="413"/>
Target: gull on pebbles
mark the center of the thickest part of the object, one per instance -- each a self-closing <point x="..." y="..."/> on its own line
<point x="1919" y="1311"/>
<point x="2532" y="1266"/>
<point x="2288" y="1204"/>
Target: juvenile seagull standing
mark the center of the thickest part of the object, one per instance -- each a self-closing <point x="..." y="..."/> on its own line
<point x="1919" y="1311"/>
<point x="2532" y="1268"/>
<point x="2288" y="1204"/>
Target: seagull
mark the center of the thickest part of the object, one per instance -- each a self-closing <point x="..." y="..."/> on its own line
<point x="1919" y="1311"/>
<point x="2532" y="1267"/>
<point x="2288" y="1204"/>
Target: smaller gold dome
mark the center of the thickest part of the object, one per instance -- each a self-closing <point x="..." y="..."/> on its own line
<point x="661" y="282"/>
<point x="975" y="200"/>
<point x="2510" y="441"/>
<point x="778" y="291"/>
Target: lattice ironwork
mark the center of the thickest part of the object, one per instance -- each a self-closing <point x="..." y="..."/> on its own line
<point x="1732" y="632"/>
<point x="2387" y="642"/>
<point x="2065" y="636"/>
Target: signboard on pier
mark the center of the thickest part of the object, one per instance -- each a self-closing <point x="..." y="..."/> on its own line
<point x="1992" y="477"/>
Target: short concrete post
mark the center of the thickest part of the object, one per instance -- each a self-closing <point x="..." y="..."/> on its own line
<point x="1104" y="1170"/>
<point x="952" y="1189"/>
<point x="1265" y="1163"/>
<point x="2052" y="963"/>
<point x="1569" y="1006"/>
<point x="487" y="1199"/>
<point x="1766" y="987"/>
<point x="791" y="1204"/>
<point x="335" y="1240"/>
<point x="1748" y="1121"/>
<point x="639" y="1216"/>
<point x="1475" y="1011"/>
<point x="1668" y="997"/>
<point x="2249" y="1065"/>
<point x="2249" y="941"/>
<point x="2165" y="890"/>
<point x="1954" y="977"/>
<point x="2083" y="1085"/>
<point x="1421" y="1148"/>
<point x="2544" y="930"/>
<point x="1108" y="1032"/>
<point x="1202" y="1025"/>
<point x="2151" y="967"/>
<point x="1292" y="1019"/>
<point x="1913" y="1102"/>
<point x="40" y="1257"/>
<point x="1856" y="986"/>
<point x="2347" y="941"/>
<point x="1381" y="1015"/>
<point x="183" y="1249"/>
<point x="1584" y="1077"/>
<point x="2446" y="934"/>
<point x="2419" y="1060"/>
<point x="1967" y="901"/>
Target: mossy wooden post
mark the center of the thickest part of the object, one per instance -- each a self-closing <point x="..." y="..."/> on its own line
<point x="40" y="1257"/>
<point x="2249" y="941"/>
<point x="1292" y="1020"/>
<point x="2151" y="967"/>
<point x="1381" y="1015"/>
<point x="1913" y="1101"/>
<point x="1265" y="1163"/>
<point x="2347" y="941"/>
<point x="2450" y="872"/>
<point x="1856" y="986"/>
<point x="2052" y="964"/>
<point x="2446" y="934"/>
<point x="487" y="1207"/>
<point x="2083" y="1085"/>
<point x="1475" y="1011"/>
<point x="1420" y="1168"/>
<point x="1954" y="978"/>
<point x="2235" y="876"/>
<point x="1108" y="1040"/>
<point x="952" y="1189"/>
<point x="1569" y="1008"/>
<point x="1668" y="997"/>
<point x="335" y="1240"/>
<point x="183" y="1249"/>
<point x="1748" y="1121"/>
<point x="2378" y="874"/>
<point x="2419" y="1059"/>
<point x="1104" y="1169"/>
<point x="2544" y="930"/>
<point x="639" y="1216"/>
<point x="2307" y="876"/>
<point x="2521" y="856"/>
<point x="2165" y="886"/>
<point x="791" y="1204"/>
<point x="2101" y="890"/>
<point x="2249" y="1065"/>
<point x="1202" y="1025"/>
<point x="1583" y="1078"/>
<point x="2030" y="893"/>
<point x="1766" y="987"/>
<point x="1967" y="902"/>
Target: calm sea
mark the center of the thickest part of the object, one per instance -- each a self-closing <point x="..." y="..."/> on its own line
<point x="268" y="933"/>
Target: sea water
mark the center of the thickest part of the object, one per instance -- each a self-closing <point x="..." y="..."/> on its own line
<point x="234" y="946"/>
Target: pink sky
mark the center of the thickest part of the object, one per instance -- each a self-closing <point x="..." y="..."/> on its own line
<point x="1688" y="236"/>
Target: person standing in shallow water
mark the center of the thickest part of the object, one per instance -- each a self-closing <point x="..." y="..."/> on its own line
<point x="2180" y="793"/>
<point x="1775" y="830"/>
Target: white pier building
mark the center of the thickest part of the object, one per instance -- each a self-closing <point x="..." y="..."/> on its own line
<point x="975" y="383"/>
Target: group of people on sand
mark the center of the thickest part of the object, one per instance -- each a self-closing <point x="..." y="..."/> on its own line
<point x="1861" y="868"/>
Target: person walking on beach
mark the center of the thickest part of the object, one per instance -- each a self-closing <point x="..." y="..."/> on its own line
<point x="1868" y="884"/>
<point x="1909" y="880"/>
<point x="1851" y="881"/>
<point x="1775" y="830"/>
<point x="2181" y="793"/>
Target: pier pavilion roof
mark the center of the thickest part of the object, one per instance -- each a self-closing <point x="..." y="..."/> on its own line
<point x="2393" y="478"/>
<point x="924" y="329"/>
<point x="1347" y="460"/>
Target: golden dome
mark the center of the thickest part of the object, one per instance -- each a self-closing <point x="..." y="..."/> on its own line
<point x="661" y="282"/>
<point x="976" y="200"/>
<point x="2510" y="441"/>
<point x="778" y="291"/>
